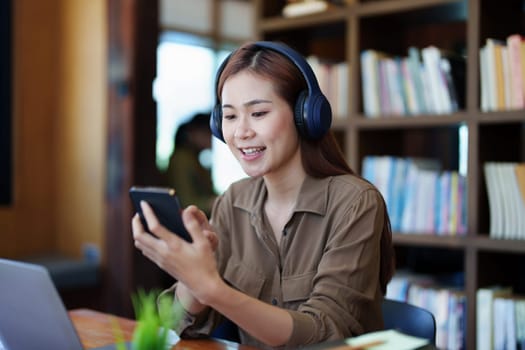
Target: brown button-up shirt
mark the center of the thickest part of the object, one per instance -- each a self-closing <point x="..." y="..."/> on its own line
<point x="325" y="270"/>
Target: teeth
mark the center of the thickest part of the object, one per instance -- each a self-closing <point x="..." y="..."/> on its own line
<point x="251" y="150"/>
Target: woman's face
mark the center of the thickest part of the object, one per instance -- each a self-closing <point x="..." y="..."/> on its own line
<point x="258" y="126"/>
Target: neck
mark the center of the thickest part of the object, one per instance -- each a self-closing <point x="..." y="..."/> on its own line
<point x="284" y="190"/>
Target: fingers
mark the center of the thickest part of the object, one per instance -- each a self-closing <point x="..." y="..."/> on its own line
<point x="162" y="240"/>
<point x="195" y="222"/>
<point x="154" y="224"/>
<point x="136" y="226"/>
<point x="212" y="238"/>
<point x="142" y="238"/>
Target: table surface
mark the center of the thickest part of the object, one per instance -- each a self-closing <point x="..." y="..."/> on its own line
<point x="96" y="329"/>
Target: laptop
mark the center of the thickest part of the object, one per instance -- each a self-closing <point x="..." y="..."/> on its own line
<point x="32" y="315"/>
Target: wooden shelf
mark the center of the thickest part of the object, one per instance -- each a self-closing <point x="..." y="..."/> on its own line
<point x="279" y="23"/>
<point x="480" y="243"/>
<point x="499" y="245"/>
<point x="502" y="117"/>
<point x="369" y="8"/>
<point x="430" y="240"/>
<point x="392" y="26"/>
<point x="406" y="122"/>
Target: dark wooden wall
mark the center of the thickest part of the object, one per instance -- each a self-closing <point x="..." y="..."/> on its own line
<point x="133" y="38"/>
<point x="5" y="102"/>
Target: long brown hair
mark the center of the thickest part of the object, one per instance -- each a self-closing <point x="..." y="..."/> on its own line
<point x="320" y="158"/>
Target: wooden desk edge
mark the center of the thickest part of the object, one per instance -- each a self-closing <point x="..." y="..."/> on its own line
<point x="97" y="329"/>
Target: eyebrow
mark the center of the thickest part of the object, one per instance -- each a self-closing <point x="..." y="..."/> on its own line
<point x="249" y="103"/>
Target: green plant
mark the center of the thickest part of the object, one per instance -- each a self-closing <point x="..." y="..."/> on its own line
<point x="155" y="317"/>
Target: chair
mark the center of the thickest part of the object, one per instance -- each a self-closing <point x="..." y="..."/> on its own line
<point x="409" y="319"/>
<point x="227" y="330"/>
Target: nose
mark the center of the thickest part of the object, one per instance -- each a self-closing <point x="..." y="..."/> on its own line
<point x="243" y="129"/>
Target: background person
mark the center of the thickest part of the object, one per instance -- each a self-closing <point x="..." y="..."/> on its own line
<point x="191" y="180"/>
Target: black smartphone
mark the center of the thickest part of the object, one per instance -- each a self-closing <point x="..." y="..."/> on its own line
<point x="165" y="204"/>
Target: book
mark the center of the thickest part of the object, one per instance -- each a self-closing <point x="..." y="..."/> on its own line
<point x="387" y="339"/>
<point x="453" y="203"/>
<point x="516" y="70"/>
<point x="519" y="309"/>
<point x="340" y="96"/>
<point x="441" y="102"/>
<point x="519" y="169"/>
<point x="461" y="208"/>
<point x="385" y="102"/>
<point x="513" y="196"/>
<point x="371" y="82"/>
<point x="413" y="208"/>
<point x="397" y="194"/>
<point x="495" y="199"/>
<point x="378" y="340"/>
<point x="484" y="79"/>
<point x="409" y="88"/>
<point x="443" y="207"/>
<point x="456" y="337"/>
<point x="504" y="325"/>
<point x="415" y="68"/>
<point x="485" y="316"/>
<point x="454" y="67"/>
<point x="507" y="87"/>
<point x="495" y="82"/>
<point x="395" y="86"/>
<point x="426" y="201"/>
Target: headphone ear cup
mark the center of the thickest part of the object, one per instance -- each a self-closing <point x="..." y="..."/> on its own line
<point x="299" y="113"/>
<point x="312" y="115"/>
<point x="319" y="116"/>
<point x="216" y="122"/>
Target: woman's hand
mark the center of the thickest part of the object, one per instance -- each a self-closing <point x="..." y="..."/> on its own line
<point x="192" y="264"/>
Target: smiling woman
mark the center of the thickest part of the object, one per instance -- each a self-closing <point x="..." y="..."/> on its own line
<point x="5" y="104"/>
<point x="303" y="243"/>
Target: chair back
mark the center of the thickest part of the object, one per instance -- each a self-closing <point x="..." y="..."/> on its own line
<point x="409" y="319"/>
<point x="227" y="330"/>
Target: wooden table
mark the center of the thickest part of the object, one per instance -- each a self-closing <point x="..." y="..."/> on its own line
<point x="96" y="329"/>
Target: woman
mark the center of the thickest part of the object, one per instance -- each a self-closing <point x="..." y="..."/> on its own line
<point x="298" y="253"/>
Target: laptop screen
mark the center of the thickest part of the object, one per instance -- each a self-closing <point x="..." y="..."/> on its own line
<point x="32" y="315"/>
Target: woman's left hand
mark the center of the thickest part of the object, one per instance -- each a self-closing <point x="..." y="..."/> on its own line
<point x="193" y="263"/>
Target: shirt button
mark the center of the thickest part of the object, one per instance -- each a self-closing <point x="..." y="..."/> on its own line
<point x="274" y="301"/>
<point x="284" y="232"/>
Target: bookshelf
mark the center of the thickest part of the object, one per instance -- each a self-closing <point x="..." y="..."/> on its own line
<point x="392" y="26"/>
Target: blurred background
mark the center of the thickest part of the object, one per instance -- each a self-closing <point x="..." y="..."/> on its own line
<point x="92" y="95"/>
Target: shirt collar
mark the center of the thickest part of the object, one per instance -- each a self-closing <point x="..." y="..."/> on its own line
<point x="313" y="196"/>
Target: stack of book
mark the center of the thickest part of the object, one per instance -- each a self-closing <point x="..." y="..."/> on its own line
<point x="505" y="182"/>
<point x="427" y="81"/>
<point x="446" y="303"/>
<point x="502" y="71"/>
<point x="500" y="321"/>
<point x="420" y="198"/>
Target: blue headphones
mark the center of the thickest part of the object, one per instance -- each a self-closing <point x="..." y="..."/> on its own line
<point x="312" y="112"/>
